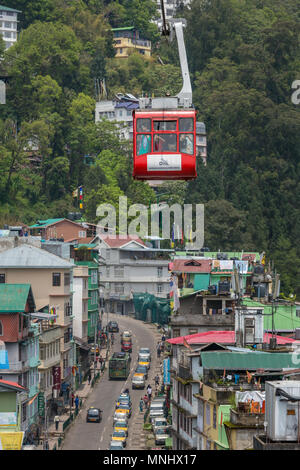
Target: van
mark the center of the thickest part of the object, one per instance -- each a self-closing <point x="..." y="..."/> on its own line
<point x="156" y="409"/>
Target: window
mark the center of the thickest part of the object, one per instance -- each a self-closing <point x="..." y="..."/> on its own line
<point x="215" y="417"/>
<point x="66" y="279"/>
<point x="2" y="278"/>
<point x="81" y="234"/>
<point x="143" y="125"/>
<point x="7" y="24"/>
<point x="94" y="297"/>
<point x="165" y="142"/>
<point x="119" y="288"/>
<point x="207" y="412"/>
<point x="186" y="124"/>
<point x="1" y="328"/>
<point x="94" y="277"/>
<point x="159" y="288"/>
<point x="193" y="331"/>
<point x="143" y="144"/>
<point x="164" y="125"/>
<point x="56" y="279"/>
<point x="159" y="272"/>
<point x="24" y="412"/>
<point x="186" y="143"/>
<point x="119" y="271"/>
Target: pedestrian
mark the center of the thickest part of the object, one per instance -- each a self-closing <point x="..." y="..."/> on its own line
<point x="141" y="405"/>
<point x="149" y="392"/>
<point x="145" y="399"/>
<point x="163" y="338"/>
<point x="56" y="421"/>
<point x="89" y="378"/>
<point x="156" y="381"/>
<point x="158" y="351"/>
<point x="72" y="398"/>
<point x="76" y="403"/>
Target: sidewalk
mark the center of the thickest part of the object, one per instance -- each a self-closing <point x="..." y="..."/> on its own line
<point x="55" y="437"/>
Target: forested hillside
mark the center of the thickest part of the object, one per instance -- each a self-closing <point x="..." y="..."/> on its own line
<point x="243" y="57"/>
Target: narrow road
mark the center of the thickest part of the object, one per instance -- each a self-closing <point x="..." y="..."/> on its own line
<point x="97" y="436"/>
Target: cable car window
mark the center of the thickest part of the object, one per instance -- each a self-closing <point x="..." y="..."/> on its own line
<point x="164" y="125"/>
<point x="143" y="144"/>
<point x="143" y="125"/>
<point x="186" y="143"/>
<point x="165" y="142"/>
<point x="186" y="124"/>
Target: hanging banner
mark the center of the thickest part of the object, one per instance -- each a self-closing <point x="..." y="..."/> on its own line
<point x="241" y="266"/>
<point x="11" y="440"/>
<point x="41" y="404"/>
<point x="167" y="371"/>
<point x="8" y="418"/>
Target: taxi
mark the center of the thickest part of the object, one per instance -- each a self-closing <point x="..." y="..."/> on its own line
<point x="121" y="426"/>
<point x="120" y="415"/>
<point x="125" y="408"/>
<point x="144" y="363"/>
<point x="119" y="436"/>
<point x="138" y="380"/>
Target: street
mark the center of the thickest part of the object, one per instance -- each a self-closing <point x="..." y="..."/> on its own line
<point x="97" y="436"/>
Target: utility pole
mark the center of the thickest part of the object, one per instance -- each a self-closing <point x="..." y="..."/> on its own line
<point x="46" y="443"/>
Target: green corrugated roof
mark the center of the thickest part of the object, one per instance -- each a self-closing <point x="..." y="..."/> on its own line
<point x="246" y="361"/>
<point x="13" y="297"/>
<point x="45" y="223"/>
<point x="123" y="29"/>
<point x="2" y="7"/>
<point x="86" y="245"/>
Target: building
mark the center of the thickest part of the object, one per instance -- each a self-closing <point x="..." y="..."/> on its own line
<point x="21" y="340"/>
<point x="9" y="25"/>
<point x="12" y="417"/>
<point x="201" y="141"/>
<point x="61" y="229"/>
<point x="86" y="255"/>
<point x="128" y="40"/>
<point x="50" y="278"/>
<point x="128" y="266"/>
<point x="119" y="111"/>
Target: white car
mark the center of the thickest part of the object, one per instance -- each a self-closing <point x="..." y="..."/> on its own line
<point x="159" y="423"/>
<point x="161" y="435"/>
<point x="144" y="354"/>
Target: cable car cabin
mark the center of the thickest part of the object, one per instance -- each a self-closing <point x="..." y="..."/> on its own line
<point x="164" y="144"/>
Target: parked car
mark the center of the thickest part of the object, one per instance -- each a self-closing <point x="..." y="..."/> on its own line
<point x="93" y="415"/>
<point x="121" y="426"/>
<point x="113" y="327"/>
<point x="161" y="435"/>
<point x="138" y="381"/>
<point x="125" y="407"/>
<point x="144" y="354"/>
<point x="119" y="436"/>
<point x="124" y="399"/>
<point x="157" y="409"/>
<point x="120" y="415"/>
<point x="144" y="363"/>
<point x="159" y="423"/>
<point x="116" y="445"/>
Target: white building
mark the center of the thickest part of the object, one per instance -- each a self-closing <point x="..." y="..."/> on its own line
<point x="9" y="25"/>
<point x="128" y="266"/>
<point x="117" y="111"/>
<point x="80" y="302"/>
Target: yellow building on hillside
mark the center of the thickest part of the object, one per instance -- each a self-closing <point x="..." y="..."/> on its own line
<point x="127" y="39"/>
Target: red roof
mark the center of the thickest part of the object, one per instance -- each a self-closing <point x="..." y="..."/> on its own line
<point x="223" y="337"/>
<point x="192" y="265"/>
<point x="11" y="384"/>
<point x="118" y="241"/>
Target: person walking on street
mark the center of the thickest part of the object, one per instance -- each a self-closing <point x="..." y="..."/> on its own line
<point x="158" y="352"/>
<point x="56" y="421"/>
<point x="72" y="399"/>
<point x="141" y="405"/>
<point x="149" y="392"/>
<point x="76" y="403"/>
<point x="145" y="399"/>
<point x="156" y="381"/>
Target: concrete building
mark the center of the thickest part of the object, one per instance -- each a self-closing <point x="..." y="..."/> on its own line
<point x="50" y="278"/>
<point x="127" y="266"/>
<point x="128" y="40"/>
<point x="9" y="25"/>
<point x="119" y="111"/>
<point x="61" y="229"/>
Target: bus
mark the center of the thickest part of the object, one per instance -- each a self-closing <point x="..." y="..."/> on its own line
<point x="119" y="365"/>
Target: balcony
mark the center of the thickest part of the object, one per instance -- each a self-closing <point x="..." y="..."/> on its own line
<point x="247" y="419"/>
<point x="184" y="372"/>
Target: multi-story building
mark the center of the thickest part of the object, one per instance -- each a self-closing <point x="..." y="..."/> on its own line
<point x="127" y="39"/>
<point x="61" y="229"/>
<point x="9" y="25"/>
<point x="119" y="111"/>
<point x="127" y="266"/>
<point x="12" y="403"/>
<point x="21" y="340"/>
<point x="86" y="255"/>
<point x="50" y="277"/>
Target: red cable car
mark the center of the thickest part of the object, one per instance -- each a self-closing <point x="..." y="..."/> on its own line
<point x="164" y="144"/>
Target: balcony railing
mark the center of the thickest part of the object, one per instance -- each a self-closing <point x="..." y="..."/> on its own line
<point x="184" y="372"/>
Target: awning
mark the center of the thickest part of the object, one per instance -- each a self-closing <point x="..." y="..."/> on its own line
<point x="82" y="344"/>
<point x="43" y="316"/>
